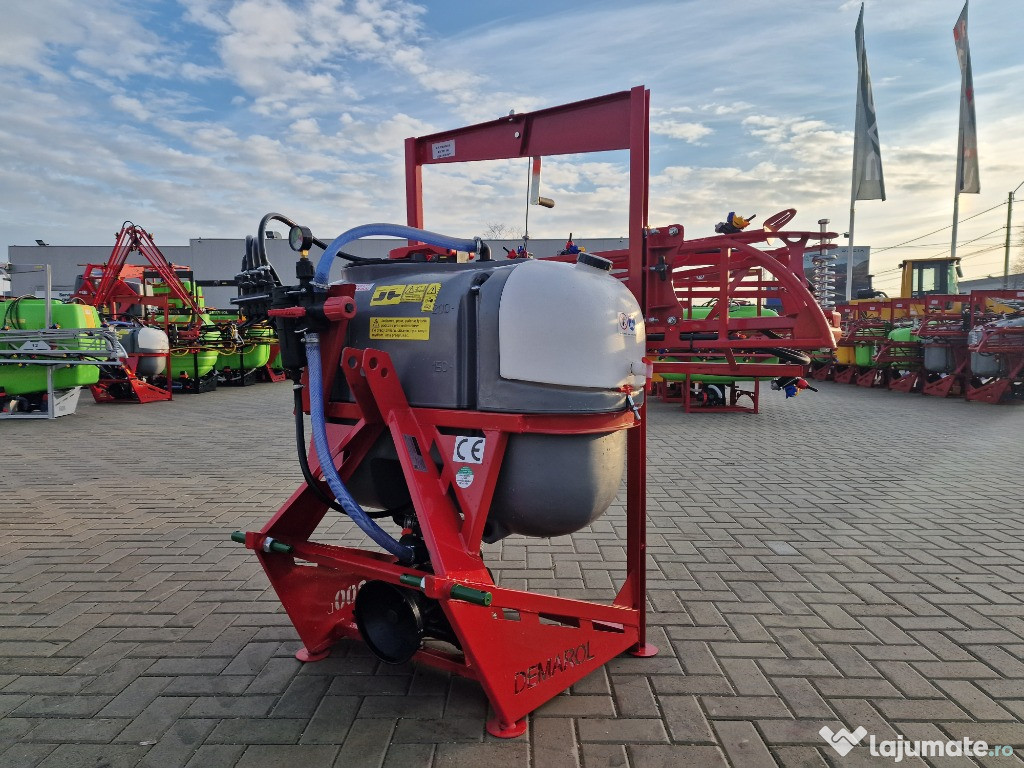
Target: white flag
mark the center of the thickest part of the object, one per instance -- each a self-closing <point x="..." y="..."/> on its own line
<point x="868" y="183"/>
<point x="968" y="138"/>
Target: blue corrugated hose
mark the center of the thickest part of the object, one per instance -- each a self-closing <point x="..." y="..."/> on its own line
<point x="323" y="454"/>
<point x="323" y="267"/>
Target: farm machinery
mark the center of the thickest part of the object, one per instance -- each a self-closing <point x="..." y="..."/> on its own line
<point x="456" y="400"/>
<point x="933" y="340"/>
<point x="175" y="343"/>
<point x="49" y="351"/>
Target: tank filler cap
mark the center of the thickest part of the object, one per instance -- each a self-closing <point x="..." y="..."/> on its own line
<point x="597" y="262"/>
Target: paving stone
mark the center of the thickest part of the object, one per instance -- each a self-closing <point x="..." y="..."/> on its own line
<point x="280" y="756"/>
<point x="438" y="731"/>
<point x="799" y="757"/>
<point x="686" y="720"/>
<point x="745" y="707"/>
<point x="743" y="744"/>
<point x="250" y="730"/>
<point x="619" y="730"/>
<point x="331" y="721"/>
<point x="60" y="706"/>
<point x="409" y="756"/>
<point x="554" y="743"/>
<point x="210" y="755"/>
<point x="106" y="755"/>
<point x="652" y="756"/>
<point x="79" y="730"/>
<point x="634" y="697"/>
<point x="177" y="745"/>
<point x="24" y="755"/>
<point x="155" y="719"/>
<point x="801" y="697"/>
<point x="367" y="742"/>
<point x="138" y="695"/>
<point x="302" y="697"/>
<point x="577" y="706"/>
<point x="604" y="755"/>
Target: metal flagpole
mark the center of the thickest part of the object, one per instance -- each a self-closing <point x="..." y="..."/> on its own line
<point x="959" y="176"/>
<point x="849" y="254"/>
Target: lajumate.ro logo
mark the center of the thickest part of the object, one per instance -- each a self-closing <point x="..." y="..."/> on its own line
<point x="843" y="742"/>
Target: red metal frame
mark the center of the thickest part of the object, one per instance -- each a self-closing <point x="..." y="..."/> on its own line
<point x="141" y="391"/>
<point x="613" y="122"/>
<point x="943" y="325"/>
<point x="524" y="648"/>
<point x="103" y="286"/>
<point x="665" y="273"/>
<point x="1006" y="342"/>
<point x="946" y="321"/>
<point x="511" y="646"/>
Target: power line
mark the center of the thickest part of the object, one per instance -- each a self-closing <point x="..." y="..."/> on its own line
<point x="968" y="242"/>
<point x="934" y="232"/>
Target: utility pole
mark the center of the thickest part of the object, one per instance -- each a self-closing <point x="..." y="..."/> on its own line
<point x="1006" y="255"/>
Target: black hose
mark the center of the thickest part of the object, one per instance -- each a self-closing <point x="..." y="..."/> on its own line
<point x="794" y="356"/>
<point x="261" y="244"/>
<point x="307" y="473"/>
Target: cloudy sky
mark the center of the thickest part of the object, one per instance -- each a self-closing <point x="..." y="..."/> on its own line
<point x="194" y="118"/>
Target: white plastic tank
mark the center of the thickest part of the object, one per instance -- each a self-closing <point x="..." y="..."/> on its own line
<point x="570" y="325"/>
<point x="145" y="340"/>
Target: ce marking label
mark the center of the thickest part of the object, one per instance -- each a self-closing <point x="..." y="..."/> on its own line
<point x="469" y="450"/>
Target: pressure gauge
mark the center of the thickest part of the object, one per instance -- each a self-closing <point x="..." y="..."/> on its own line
<point x="300" y="238"/>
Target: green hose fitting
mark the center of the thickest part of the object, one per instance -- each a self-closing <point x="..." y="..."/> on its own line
<point x="458" y="592"/>
<point x="412" y="581"/>
<point x="269" y="544"/>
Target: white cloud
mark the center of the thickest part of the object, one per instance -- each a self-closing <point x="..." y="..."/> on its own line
<point x="130" y="106"/>
<point x="690" y="132"/>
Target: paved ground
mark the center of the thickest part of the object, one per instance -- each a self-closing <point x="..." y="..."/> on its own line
<point x="851" y="558"/>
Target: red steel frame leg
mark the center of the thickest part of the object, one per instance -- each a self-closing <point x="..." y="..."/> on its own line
<point x="994" y="391"/>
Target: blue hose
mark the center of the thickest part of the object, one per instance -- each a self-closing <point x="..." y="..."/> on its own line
<point x="323" y="454"/>
<point x="323" y="267"/>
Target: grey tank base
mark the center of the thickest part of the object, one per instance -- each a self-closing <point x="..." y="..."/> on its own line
<point x="549" y="485"/>
<point x="554" y="485"/>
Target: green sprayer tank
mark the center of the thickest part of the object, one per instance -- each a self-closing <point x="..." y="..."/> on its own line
<point x="24" y="314"/>
<point x="866" y="347"/>
<point x="253" y="351"/>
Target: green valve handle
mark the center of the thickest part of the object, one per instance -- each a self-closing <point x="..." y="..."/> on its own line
<point x="412" y="581"/>
<point x="470" y="595"/>
<point x="269" y="544"/>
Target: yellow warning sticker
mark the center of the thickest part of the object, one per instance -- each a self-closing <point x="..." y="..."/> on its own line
<point x="423" y="294"/>
<point x="415" y="292"/>
<point x="430" y="296"/>
<point x="394" y="328"/>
